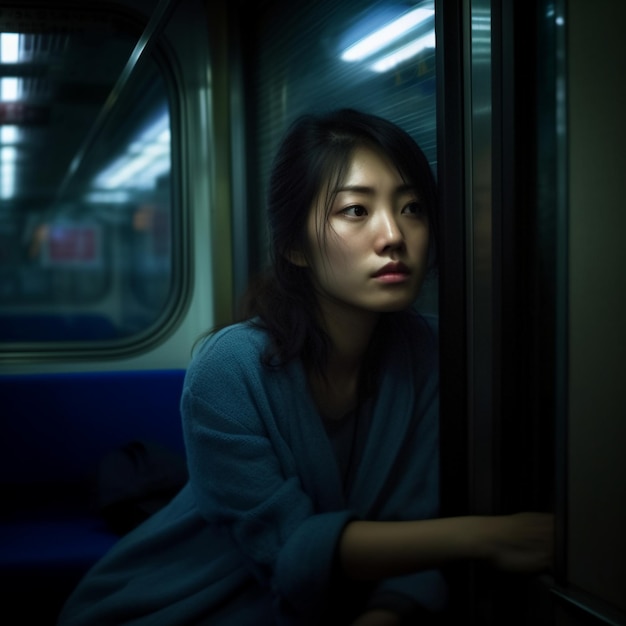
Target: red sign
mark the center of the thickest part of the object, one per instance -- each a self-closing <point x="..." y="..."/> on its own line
<point x="72" y="244"/>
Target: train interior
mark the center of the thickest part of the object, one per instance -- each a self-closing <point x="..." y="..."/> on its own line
<point x="136" y="138"/>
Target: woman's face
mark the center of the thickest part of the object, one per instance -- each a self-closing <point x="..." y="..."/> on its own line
<point x="370" y="252"/>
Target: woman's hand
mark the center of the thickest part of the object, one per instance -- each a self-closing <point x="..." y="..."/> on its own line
<point x="523" y="542"/>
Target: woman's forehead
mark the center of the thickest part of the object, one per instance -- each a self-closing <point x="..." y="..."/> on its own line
<point x="361" y="168"/>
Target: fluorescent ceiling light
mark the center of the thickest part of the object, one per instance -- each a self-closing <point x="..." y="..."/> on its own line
<point x="9" y="134"/>
<point x="9" y="89"/>
<point x="8" y="154"/>
<point x="153" y="171"/>
<point x="381" y="38"/>
<point x="404" y="53"/>
<point x="9" y="47"/>
<point x="131" y="172"/>
<point x="146" y="158"/>
<point x="108" y="197"/>
<point x="7" y="180"/>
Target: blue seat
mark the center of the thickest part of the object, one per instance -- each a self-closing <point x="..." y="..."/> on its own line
<point x="55" y="428"/>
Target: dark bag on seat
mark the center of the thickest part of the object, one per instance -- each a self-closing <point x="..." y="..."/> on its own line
<point x="135" y="481"/>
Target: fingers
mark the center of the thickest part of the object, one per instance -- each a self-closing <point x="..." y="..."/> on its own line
<point x="524" y="542"/>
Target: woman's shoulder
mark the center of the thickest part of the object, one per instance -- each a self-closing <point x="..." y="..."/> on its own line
<point x="238" y="335"/>
<point x="243" y="343"/>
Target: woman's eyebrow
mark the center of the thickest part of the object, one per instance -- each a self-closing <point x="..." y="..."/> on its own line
<point x="364" y="189"/>
<point x="355" y="188"/>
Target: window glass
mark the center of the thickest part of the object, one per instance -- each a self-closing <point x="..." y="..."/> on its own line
<point x="85" y="199"/>
<point x="375" y="56"/>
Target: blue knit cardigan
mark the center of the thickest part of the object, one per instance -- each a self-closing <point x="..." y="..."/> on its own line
<point x="251" y="539"/>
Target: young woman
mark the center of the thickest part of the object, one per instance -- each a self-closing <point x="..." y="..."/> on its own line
<point x="312" y="426"/>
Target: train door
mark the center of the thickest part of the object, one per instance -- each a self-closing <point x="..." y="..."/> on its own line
<point x="545" y="425"/>
<point x="544" y="409"/>
<point x="591" y="429"/>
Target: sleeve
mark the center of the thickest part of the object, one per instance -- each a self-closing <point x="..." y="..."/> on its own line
<point x="243" y="476"/>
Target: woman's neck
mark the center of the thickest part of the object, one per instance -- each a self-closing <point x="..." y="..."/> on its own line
<point x="350" y="332"/>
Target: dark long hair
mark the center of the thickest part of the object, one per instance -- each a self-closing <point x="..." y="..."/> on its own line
<point x="315" y="155"/>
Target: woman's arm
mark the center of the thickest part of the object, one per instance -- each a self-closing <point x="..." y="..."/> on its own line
<point x="518" y="543"/>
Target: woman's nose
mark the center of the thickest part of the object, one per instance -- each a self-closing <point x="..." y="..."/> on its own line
<point x="388" y="233"/>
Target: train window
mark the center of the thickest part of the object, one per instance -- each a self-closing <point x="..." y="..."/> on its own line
<point x="86" y="220"/>
<point x="371" y="55"/>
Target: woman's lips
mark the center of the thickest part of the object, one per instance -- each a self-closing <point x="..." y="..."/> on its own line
<point x="392" y="273"/>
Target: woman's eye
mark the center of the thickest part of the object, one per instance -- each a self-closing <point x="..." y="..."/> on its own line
<point x="414" y="208"/>
<point x="355" y="211"/>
